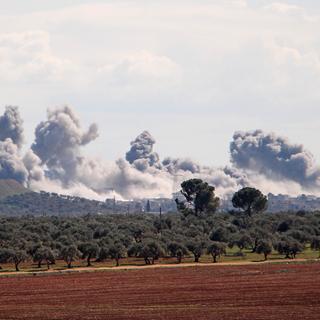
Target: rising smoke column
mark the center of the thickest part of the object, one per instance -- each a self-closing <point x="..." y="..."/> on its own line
<point x="176" y="170"/>
<point x="275" y="157"/>
<point x="141" y="153"/>
<point x="58" y="145"/>
<point x="33" y="165"/>
<point x="55" y="162"/>
<point x="58" y="141"/>
<point x="11" y="140"/>
<point x="11" y="164"/>
<point x="11" y="126"/>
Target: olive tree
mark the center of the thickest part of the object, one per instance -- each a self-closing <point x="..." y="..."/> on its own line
<point x="14" y="255"/>
<point x="196" y="247"/>
<point x="150" y="252"/>
<point x="177" y="250"/>
<point x="4" y="255"/>
<point x="44" y="254"/>
<point x="264" y="247"/>
<point x="69" y="254"/>
<point x="216" y="249"/>
<point x="244" y="241"/>
<point x="315" y="244"/>
<point x="289" y="247"/>
<point x="117" y="252"/>
<point x="89" y="251"/>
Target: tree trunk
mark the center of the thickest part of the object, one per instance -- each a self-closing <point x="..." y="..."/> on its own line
<point x="17" y="266"/>
<point x="69" y="264"/>
<point x="89" y="261"/>
<point x="255" y="246"/>
<point x="265" y="256"/>
<point x="214" y="259"/>
<point x="39" y="264"/>
<point x="179" y="259"/>
<point x="117" y="262"/>
<point x="48" y="265"/>
<point x="196" y="259"/>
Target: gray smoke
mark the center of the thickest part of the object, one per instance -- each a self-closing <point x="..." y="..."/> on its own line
<point x="132" y="183"/>
<point x="11" y="164"/>
<point x="33" y="165"/>
<point x="176" y="170"/>
<point x="58" y="146"/>
<point x="141" y="154"/>
<point x="11" y="140"/>
<point x="238" y="175"/>
<point x="275" y="157"/>
<point x="11" y="126"/>
<point x="58" y="141"/>
<point x="55" y="162"/>
<point x="174" y="165"/>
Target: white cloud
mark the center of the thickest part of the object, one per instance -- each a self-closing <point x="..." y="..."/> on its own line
<point x="28" y="57"/>
<point x="284" y="8"/>
<point x="140" y="68"/>
<point x="240" y="3"/>
<point x="289" y="10"/>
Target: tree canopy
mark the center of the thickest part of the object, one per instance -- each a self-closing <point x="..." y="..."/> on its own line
<point x="250" y="200"/>
<point x="200" y="197"/>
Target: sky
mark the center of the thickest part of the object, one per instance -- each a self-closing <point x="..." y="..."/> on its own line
<point x="190" y="72"/>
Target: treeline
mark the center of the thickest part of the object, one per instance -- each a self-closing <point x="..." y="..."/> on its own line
<point x="101" y="237"/>
<point x="196" y="230"/>
<point x="45" y="203"/>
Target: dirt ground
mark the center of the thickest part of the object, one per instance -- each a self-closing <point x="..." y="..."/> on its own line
<point x="258" y="291"/>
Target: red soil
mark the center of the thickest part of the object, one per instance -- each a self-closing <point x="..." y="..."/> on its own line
<point x="270" y="291"/>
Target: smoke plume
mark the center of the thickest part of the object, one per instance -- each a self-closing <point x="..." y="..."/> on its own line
<point x="58" y="141"/>
<point x="11" y="126"/>
<point x="11" y="165"/>
<point x="275" y="157"/>
<point x="141" y="154"/>
<point x="55" y="162"/>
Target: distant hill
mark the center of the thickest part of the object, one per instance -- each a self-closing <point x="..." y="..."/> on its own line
<point x="10" y="188"/>
<point x="16" y="200"/>
<point x="45" y="203"/>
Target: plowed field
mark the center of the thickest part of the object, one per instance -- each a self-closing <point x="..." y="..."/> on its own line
<point x="274" y="291"/>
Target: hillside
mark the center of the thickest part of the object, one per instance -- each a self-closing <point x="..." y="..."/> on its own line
<point x="10" y="188"/>
<point x="45" y="203"/>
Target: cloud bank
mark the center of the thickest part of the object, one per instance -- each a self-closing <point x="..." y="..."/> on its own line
<point x="55" y="162"/>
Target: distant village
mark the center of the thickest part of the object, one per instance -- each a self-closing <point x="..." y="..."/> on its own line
<point x="276" y="203"/>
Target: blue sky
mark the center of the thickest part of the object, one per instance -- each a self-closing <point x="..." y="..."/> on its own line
<point x="190" y="72"/>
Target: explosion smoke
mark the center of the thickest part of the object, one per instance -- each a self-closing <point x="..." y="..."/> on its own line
<point x="58" y="141"/>
<point x="55" y="162"/>
<point x="141" y="154"/>
<point x="275" y="157"/>
<point x="11" y="126"/>
<point x="11" y="165"/>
